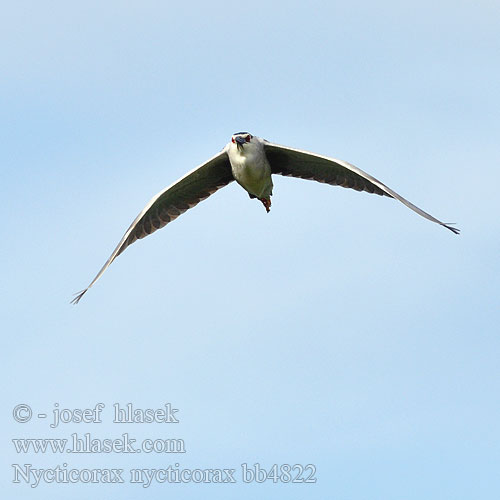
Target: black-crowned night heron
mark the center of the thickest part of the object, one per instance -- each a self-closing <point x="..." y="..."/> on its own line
<point x="250" y="161"/>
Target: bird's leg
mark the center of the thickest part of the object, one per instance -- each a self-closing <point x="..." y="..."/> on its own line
<point x="267" y="203"/>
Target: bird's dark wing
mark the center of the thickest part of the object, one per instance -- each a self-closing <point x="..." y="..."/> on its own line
<point x="305" y="165"/>
<point x="167" y="205"/>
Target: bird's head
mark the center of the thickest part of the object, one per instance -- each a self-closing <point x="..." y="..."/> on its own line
<point x="241" y="138"/>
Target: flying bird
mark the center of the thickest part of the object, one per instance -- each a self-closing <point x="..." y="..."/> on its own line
<point x="250" y="161"/>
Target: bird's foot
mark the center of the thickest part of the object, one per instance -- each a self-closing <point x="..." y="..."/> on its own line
<point x="267" y="203"/>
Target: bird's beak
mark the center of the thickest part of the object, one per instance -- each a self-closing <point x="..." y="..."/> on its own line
<point x="239" y="142"/>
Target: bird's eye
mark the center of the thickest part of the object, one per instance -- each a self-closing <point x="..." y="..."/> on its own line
<point x="232" y="140"/>
<point x="248" y="137"/>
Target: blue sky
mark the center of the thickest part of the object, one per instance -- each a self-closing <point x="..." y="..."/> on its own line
<point x="340" y="330"/>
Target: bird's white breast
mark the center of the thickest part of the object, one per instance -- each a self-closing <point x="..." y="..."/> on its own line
<point x="251" y="168"/>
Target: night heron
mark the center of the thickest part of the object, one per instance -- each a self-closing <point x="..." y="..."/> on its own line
<point x="250" y="161"/>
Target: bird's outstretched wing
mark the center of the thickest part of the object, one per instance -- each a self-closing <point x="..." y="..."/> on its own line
<point x="174" y="200"/>
<point x="305" y="165"/>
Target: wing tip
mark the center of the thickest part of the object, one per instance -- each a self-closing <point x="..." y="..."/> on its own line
<point x="78" y="295"/>
<point x="454" y="230"/>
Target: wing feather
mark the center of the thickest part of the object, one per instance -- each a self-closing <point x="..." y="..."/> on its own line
<point x="302" y="164"/>
<point x="173" y="201"/>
